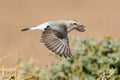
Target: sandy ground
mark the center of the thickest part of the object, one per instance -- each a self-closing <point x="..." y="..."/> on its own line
<point x="100" y="17"/>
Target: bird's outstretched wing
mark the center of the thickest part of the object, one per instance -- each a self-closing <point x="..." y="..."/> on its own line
<point x="56" y="41"/>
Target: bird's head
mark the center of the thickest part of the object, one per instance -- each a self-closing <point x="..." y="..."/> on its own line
<point x="73" y="24"/>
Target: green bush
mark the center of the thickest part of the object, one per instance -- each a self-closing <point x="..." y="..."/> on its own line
<point x="92" y="60"/>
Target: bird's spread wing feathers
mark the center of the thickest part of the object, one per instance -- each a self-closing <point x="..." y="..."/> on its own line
<point x="57" y="41"/>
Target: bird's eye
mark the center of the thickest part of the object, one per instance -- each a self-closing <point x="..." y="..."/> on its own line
<point x="75" y="23"/>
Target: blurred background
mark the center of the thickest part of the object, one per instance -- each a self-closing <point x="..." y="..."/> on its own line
<point x="100" y="17"/>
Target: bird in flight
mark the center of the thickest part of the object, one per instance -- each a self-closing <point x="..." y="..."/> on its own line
<point x="54" y="35"/>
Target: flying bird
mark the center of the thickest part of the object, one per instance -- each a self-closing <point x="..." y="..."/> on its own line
<point x="54" y="35"/>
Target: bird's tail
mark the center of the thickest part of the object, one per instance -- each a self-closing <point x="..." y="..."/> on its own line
<point x="25" y="29"/>
<point x="32" y="28"/>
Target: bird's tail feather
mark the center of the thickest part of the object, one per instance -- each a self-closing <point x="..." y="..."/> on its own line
<point x="25" y="29"/>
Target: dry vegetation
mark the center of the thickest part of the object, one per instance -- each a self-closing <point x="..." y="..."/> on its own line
<point x="92" y="60"/>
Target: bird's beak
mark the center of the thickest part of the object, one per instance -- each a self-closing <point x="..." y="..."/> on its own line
<point x="80" y="28"/>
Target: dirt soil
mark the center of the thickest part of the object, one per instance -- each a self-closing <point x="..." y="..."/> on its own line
<point x="100" y="17"/>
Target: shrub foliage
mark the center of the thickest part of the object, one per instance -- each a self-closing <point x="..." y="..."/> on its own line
<point x="92" y="60"/>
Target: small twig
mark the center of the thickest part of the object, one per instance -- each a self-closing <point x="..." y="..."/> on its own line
<point x="2" y="70"/>
<point x="16" y="72"/>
